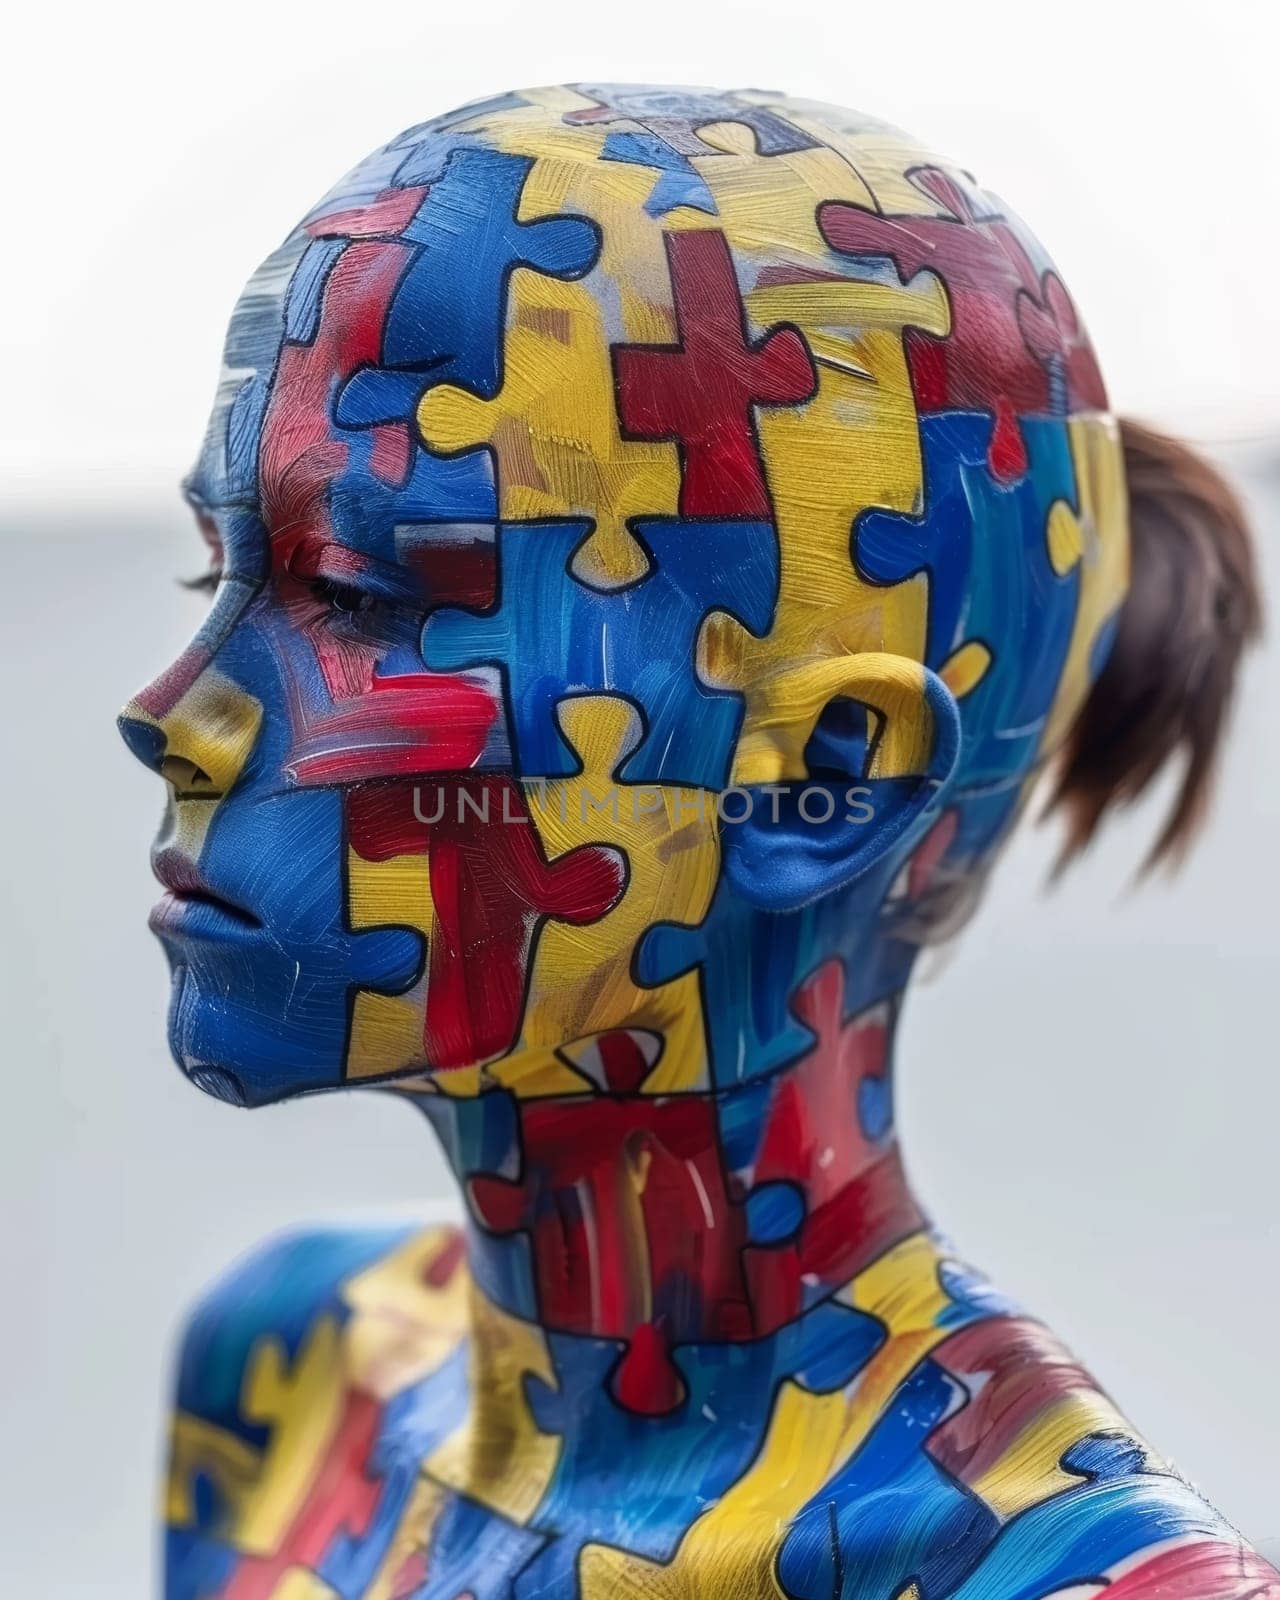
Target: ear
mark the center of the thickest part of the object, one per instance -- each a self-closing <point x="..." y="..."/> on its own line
<point x="881" y="745"/>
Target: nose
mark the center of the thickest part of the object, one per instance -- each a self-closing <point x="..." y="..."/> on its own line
<point x="144" y="738"/>
<point x="149" y="741"/>
<point x="200" y="740"/>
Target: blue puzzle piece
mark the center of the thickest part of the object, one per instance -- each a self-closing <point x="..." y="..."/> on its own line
<point x="241" y="433"/>
<point x="875" y="1107"/>
<point x="613" y="1482"/>
<point x="740" y="1115"/>
<point x="478" y="1133"/>
<point x="1073" y="1538"/>
<point x="425" y="161"/>
<point x="1103" y="1456"/>
<point x="553" y="636"/>
<point x="774" y="1212"/>
<point x="891" y="1515"/>
<point x="679" y="183"/>
<point x="371" y="515"/>
<point x="306" y="289"/>
<point x="473" y="1551"/>
<point x="983" y="546"/>
<point x="680" y="189"/>
<point x="377" y="395"/>
<point x="751" y="963"/>
<point x="984" y="549"/>
<point x="446" y="319"/>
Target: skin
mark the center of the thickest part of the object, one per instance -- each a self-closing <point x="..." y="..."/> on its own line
<point x="457" y="774"/>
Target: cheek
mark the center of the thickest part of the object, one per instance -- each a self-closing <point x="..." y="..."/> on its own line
<point x="360" y="706"/>
<point x="408" y="725"/>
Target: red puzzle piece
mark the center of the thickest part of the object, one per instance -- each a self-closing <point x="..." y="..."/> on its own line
<point x="856" y="1199"/>
<point x="342" y="1499"/>
<point x="399" y="726"/>
<point x="701" y="392"/>
<point x="592" y="1216"/>
<point x="300" y="454"/>
<point x="1012" y="1369"/>
<point x="1197" y="1570"/>
<point x="385" y="216"/>
<point x="1017" y="346"/>
<point x="491" y="888"/>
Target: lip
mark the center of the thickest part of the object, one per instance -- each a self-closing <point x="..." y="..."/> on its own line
<point x="190" y="905"/>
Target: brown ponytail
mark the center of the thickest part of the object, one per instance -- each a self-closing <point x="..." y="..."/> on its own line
<point x="1193" y="605"/>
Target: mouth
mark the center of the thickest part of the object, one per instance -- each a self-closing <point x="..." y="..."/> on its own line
<point x="189" y="905"/>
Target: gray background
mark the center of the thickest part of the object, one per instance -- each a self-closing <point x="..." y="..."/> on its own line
<point x="1088" y="1091"/>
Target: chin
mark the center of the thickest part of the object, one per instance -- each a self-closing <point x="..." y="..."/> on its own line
<point x="248" y="1054"/>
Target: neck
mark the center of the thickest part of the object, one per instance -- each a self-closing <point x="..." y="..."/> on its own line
<point x="655" y="1240"/>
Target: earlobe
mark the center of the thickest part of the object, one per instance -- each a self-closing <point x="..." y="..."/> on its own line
<point x="805" y="836"/>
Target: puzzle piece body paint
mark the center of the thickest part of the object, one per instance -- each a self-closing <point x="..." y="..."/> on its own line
<point x="463" y="866"/>
<point x="1015" y="346"/>
<point x="553" y="431"/>
<point x="444" y="322"/>
<point x="679" y="183"/>
<point x="638" y="641"/>
<point x="702" y="393"/>
<point x="628" y="1457"/>
<point x="815" y="1136"/>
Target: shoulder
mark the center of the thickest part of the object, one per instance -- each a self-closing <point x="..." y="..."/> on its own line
<point x="281" y="1335"/>
<point x="278" y="1289"/>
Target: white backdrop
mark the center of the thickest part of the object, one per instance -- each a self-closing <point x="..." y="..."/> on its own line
<point x="1089" y="1091"/>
